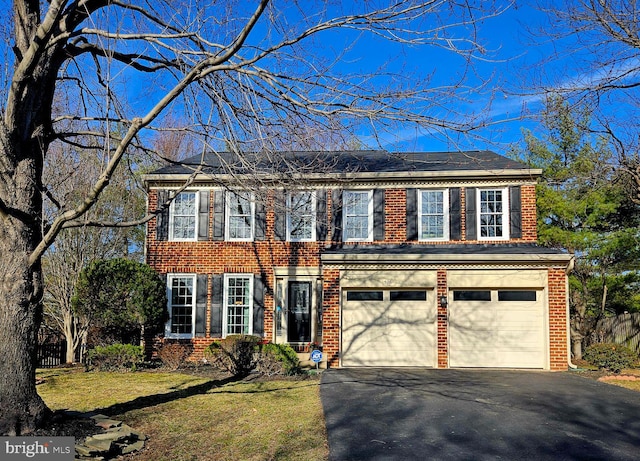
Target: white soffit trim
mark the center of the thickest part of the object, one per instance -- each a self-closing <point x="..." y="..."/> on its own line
<point x="453" y="258"/>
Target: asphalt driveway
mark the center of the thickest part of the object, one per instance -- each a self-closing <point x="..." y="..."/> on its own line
<point x="422" y="414"/>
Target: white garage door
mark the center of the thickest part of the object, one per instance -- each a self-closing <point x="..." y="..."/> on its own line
<point x="391" y="327"/>
<point x="497" y="328"/>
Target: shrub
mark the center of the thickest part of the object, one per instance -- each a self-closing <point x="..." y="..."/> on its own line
<point x="123" y="298"/>
<point x="277" y="359"/>
<point x="235" y="354"/>
<point x="173" y="355"/>
<point x="116" y="357"/>
<point x="610" y="356"/>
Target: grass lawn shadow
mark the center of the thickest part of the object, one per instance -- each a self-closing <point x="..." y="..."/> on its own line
<point x="146" y="401"/>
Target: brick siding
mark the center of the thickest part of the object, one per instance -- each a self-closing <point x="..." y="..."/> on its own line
<point x="558" y="319"/>
<point x="261" y="257"/>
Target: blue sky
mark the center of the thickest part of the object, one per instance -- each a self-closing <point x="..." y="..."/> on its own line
<point x="500" y="82"/>
<point x="510" y="60"/>
<point x="509" y="68"/>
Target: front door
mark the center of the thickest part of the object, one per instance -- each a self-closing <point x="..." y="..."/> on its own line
<point x="299" y="316"/>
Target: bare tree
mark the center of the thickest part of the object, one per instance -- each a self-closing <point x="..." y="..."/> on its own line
<point x="237" y="70"/>
<point x="68" y="173"/>
<point x="599" y="51"/>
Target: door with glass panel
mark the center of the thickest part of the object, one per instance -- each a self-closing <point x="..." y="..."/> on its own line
<point x="299" y="312"/>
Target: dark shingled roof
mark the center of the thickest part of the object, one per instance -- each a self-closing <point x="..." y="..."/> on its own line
<point x="372" y="161"/>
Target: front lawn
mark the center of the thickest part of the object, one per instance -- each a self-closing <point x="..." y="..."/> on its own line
<point x="189" y="417"/>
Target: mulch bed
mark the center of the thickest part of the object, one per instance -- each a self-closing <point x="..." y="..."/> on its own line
<point x="587" y="371"/>
<point x="68" y="424"/>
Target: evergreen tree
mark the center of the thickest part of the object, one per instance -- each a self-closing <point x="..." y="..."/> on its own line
<point x="583" y="207"/>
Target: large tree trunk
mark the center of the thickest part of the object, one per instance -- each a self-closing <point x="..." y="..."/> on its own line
<point x="22" y="409"/>
<point x="25" y="133"/>
<point x="21" y="281"/>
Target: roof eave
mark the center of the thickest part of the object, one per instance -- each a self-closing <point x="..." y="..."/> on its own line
<point x="451" y="175"/>
<point x="546" y="259"/>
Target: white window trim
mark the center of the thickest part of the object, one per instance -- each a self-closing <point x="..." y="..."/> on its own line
<point x="172" y="215"/>
<point x="506" y="225"/>
<point x="227" y="213"/>
<point x="225" y="305"/>
<point x="445" y="206"/>
<point x="313" y="216"/>
<point x="167" y="327"/>
<point x="369" y="237"/>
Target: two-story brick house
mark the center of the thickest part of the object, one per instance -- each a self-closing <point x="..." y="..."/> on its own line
<point x="386" y="259"/>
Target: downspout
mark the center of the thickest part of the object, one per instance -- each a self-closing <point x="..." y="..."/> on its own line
<point x="569" y="362"/>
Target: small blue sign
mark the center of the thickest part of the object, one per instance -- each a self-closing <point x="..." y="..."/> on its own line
<point x="316" y="356"/>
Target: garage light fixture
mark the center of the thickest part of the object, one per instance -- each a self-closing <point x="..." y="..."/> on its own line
<point x="443" y="301"/>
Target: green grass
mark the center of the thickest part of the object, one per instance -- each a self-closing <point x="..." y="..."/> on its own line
<point x="633" y="385"/>
<point x="194" y="418"/>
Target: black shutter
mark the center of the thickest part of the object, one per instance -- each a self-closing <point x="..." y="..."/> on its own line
<point x="260" y="220"/>
<point x="203" y="215"/>
<point x="471" y="217"/>
<point x="258" y="305"/>
<point x="215" y="327"/>
<point x="336" y="212"/>
<point x="321" y="215"/>
<point x="218" y="215"/>
<point x="378" y="214"/>
<point x="515" y="212"/>
<point x="201" y="304"/>
<point x="412" y="215"/>
<point x="162" y="218"/>
<point x="455" y="232"/>
<point x="280" y="215"/>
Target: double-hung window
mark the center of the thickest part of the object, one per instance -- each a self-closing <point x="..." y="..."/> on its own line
<point x="240" y="209"/>
<point x="301" y="216"/>
<point x="433" y="222"/>
<point x="183" y="216"/>
<point x="357" y="215"/>
<point x="238" y="304"/>
<point x="181" y="294"/>
<point x="493" y="216"/>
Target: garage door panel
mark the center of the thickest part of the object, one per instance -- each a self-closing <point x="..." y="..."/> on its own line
<point x="471" y="340"/>
<point x="516" y="359"/>
<point x="389" y="359"/>
<point x="472" y="317"/>
<point x="389" y="333"/>
<point x="497" y="333"/>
